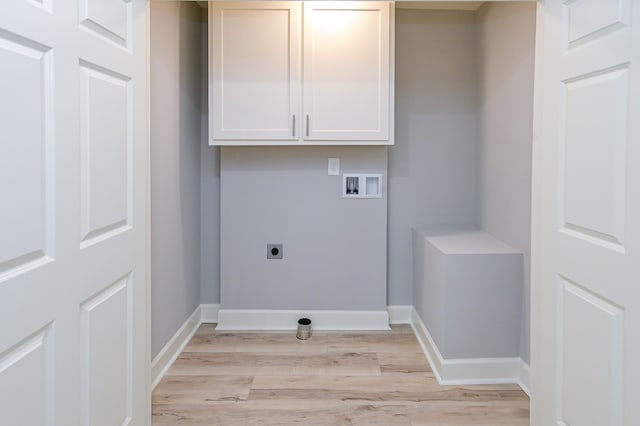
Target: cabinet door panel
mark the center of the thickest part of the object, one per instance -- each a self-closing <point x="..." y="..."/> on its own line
<point x="346" y="70"/>
<point x="254" y="70"/>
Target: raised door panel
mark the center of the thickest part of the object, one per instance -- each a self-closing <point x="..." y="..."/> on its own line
<point x="110" y="19"/>
<point x="254" y="70"/>
<point x="106" y="332"/>
<point x="588" y="19"/>
<point x="346" y="71"/>
<point x="594" y="145"/>
<point x="600" y="350"/>
<point x="29" y="363"/>
<point x="25" y="154"/>
<point x="105" y="153"/>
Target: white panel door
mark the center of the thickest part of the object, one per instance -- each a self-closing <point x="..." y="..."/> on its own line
<point x="586" y="218"/>
<point x="346" y="74"/>
<point x="73" y="217"/>
<point x="254" y="72"/>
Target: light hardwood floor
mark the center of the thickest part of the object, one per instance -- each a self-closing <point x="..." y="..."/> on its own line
<point x="368" y="378"/>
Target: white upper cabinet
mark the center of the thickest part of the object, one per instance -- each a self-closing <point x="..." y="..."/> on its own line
<point x="346" y="70"/>
<point x="278" y="80"/>
<point x="254" y="71"/>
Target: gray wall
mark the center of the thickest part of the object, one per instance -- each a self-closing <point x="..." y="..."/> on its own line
<point x="506" y="35"/>
<point x="334" y="248"/>
<point x="175" y="167"/>
<point x="209" y="193"/>
<point x="432" y="166"/>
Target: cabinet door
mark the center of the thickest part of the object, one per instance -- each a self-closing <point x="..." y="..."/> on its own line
<point x="254" y="70"/>
<point x="346" y="70"/>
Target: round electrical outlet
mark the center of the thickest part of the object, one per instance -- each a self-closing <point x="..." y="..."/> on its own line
<point x="274" y="251"/>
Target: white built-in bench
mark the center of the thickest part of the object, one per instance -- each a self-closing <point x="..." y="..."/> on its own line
<point x="468" y="291"/>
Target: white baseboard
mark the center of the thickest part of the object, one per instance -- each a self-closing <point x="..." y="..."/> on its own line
<point x="400" y="314"/>
<point x="209" y="313"/>
<point x="469" y="371"/>
<point x="261" y="319"/>
<point x="523" y="379"/>
<point x="174" y="346"/>
<point x="426" y="343"/>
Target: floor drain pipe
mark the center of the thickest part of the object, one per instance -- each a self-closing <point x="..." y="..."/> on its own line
<point x="304" y="329"/>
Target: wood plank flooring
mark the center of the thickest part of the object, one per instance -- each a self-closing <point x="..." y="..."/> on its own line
<point x="369" y="378"/>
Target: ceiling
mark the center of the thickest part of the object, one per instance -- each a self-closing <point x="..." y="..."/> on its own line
<point x="440" y="5"/>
